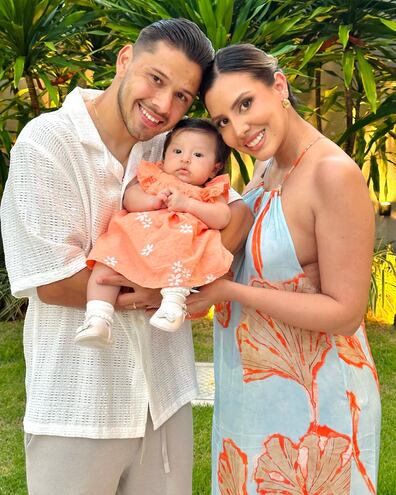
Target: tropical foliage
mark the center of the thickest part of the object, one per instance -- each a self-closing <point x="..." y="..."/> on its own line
<point x="339" y="56"/>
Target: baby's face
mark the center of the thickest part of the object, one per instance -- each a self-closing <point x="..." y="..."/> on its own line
<point x="191" y="157"/>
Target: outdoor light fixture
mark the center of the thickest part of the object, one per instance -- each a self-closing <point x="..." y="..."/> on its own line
<point x="384" y="208"/>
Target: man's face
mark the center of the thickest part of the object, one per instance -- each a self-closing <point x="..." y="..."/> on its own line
<point x="156" y="90"/>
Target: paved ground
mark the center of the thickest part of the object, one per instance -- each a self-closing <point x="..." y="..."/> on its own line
<point x="206" y="384"/>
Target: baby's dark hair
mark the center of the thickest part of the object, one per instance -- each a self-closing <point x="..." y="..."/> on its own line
<point x="205" y="126"/>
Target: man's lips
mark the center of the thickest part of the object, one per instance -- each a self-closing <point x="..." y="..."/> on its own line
<point x="149" y="117"/>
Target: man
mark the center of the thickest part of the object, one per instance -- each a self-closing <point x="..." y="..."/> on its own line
<point x="114" y="421"/>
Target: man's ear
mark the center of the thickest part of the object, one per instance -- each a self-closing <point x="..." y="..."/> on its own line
<point x="124" y="58"/>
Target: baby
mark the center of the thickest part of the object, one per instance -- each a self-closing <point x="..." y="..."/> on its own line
<point x="167" y="236"/>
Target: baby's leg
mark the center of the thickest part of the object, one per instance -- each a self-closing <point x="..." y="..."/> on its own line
<point x="97" y="326"/>
<point x="172" y="312"/>
<point x="98" y="292"/>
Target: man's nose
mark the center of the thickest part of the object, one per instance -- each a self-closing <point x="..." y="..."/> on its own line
<point x="163" y="102"/>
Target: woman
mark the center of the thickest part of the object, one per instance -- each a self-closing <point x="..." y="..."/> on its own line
<point x="297" y="404"/>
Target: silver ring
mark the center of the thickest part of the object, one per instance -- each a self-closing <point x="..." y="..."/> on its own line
<point x="134" y="305"/>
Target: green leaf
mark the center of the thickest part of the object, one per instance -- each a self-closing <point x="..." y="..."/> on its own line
<point x="368" y="80"/>
<point x="19" y="65"/>
<point x="390" y="24"/>
<point x="53" y="93"/>
<point x="374" y="174"/>
<point x="343" y="34"/>
<point x="50" y="45"/>
<point x="348" y="64"/>
<point x="311" y="51"/>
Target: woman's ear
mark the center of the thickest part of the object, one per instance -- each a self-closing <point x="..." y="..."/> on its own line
<point x="280" y="84"/>
<point x="124" y="58"/>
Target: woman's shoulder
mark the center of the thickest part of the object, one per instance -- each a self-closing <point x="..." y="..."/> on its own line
<point x="335" y="172"/>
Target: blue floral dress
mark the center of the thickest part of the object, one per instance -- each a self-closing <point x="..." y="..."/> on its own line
<point x="296" y="412"/>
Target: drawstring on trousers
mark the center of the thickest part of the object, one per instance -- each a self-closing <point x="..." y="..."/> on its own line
<point x="164" y="449"/>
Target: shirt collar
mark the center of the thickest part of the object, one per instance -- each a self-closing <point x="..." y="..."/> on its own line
<point x="74" y="106"/>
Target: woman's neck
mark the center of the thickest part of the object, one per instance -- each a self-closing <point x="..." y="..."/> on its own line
<point x="298" y="135"/>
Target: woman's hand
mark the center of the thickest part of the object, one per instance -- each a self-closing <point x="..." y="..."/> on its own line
<point x="207" y="296"/>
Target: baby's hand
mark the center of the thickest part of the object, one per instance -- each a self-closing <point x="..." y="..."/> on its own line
<point x="162" y="199"/>
<point x="177" y="201"/>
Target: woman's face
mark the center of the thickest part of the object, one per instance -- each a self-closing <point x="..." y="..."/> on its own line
<point x="248" y="113"/>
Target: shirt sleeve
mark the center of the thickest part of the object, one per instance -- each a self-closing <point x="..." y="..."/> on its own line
<point x="43" y="222"/>
<point x="233" y="195"/>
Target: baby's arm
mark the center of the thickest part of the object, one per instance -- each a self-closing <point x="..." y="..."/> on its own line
<point x="215" y="215"/>
<point x="135" y="199"/>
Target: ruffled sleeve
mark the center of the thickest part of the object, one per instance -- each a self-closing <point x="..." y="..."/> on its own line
<point x="148" y="174"/>
<point x="216" y="188"/>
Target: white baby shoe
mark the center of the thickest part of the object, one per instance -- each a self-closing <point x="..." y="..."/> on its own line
<point x="95" y="332"/>
<point x="172" y="312"/>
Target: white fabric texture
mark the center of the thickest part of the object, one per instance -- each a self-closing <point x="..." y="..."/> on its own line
<point x="63" y="187"/>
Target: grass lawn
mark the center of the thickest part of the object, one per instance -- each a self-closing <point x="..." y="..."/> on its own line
<point x="12" y="474"/>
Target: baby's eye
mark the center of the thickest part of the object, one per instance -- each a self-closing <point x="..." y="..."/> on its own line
<point x="177" y="151"/>
<point x="198" y="154"/>
<point x="245" y="104"/>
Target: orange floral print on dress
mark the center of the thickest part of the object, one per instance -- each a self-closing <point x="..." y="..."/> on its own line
<point x="269" y="347"/>
<point x="223" y="313"/>
<point x="350" y="350"/>
<point x="232" y="469"/>
<point x="355" y="410"/>
<point x="319" y="464"/>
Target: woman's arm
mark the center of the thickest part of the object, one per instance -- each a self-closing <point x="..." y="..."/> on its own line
<point x="215" y="215"/>
<point x="344" y="231"/>
<point x="135" y="199"/>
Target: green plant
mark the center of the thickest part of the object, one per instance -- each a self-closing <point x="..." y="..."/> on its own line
<point x="42" y="43"/>
<point x="382" y="296"/>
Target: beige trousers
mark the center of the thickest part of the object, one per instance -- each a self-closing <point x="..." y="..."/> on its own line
<point x="158" y="464"/>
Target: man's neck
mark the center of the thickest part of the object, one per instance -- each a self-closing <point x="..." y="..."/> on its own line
<point x="111" y="129"/>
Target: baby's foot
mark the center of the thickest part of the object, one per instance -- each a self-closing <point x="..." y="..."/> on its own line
<point x="95" y="332"/>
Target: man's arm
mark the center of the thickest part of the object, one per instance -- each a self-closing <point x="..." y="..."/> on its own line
<point x="70" y="292"/>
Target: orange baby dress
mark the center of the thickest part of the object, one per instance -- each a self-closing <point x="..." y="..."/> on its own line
<point x="162" y="248"/>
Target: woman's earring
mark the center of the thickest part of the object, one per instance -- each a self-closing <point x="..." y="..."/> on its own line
<point x="286" y="103"/>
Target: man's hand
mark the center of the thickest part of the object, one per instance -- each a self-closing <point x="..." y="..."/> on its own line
<point x="132" y="296"/>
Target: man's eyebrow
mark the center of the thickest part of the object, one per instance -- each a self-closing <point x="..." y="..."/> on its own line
<point x="162" y="74"/>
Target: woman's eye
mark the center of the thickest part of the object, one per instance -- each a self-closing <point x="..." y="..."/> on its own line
<point x="246" y="104"/>
<point x="222" y="123"/>
<point x="156" y="79"/>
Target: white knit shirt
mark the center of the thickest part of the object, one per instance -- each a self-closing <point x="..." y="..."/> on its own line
<point x="63" y="187"/>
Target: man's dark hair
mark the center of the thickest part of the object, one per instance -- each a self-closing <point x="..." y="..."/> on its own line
<point x="204" y="126"/>
<point x="180" y="33"/>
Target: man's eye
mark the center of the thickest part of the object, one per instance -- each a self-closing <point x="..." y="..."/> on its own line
<point x="182" y="97"/>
